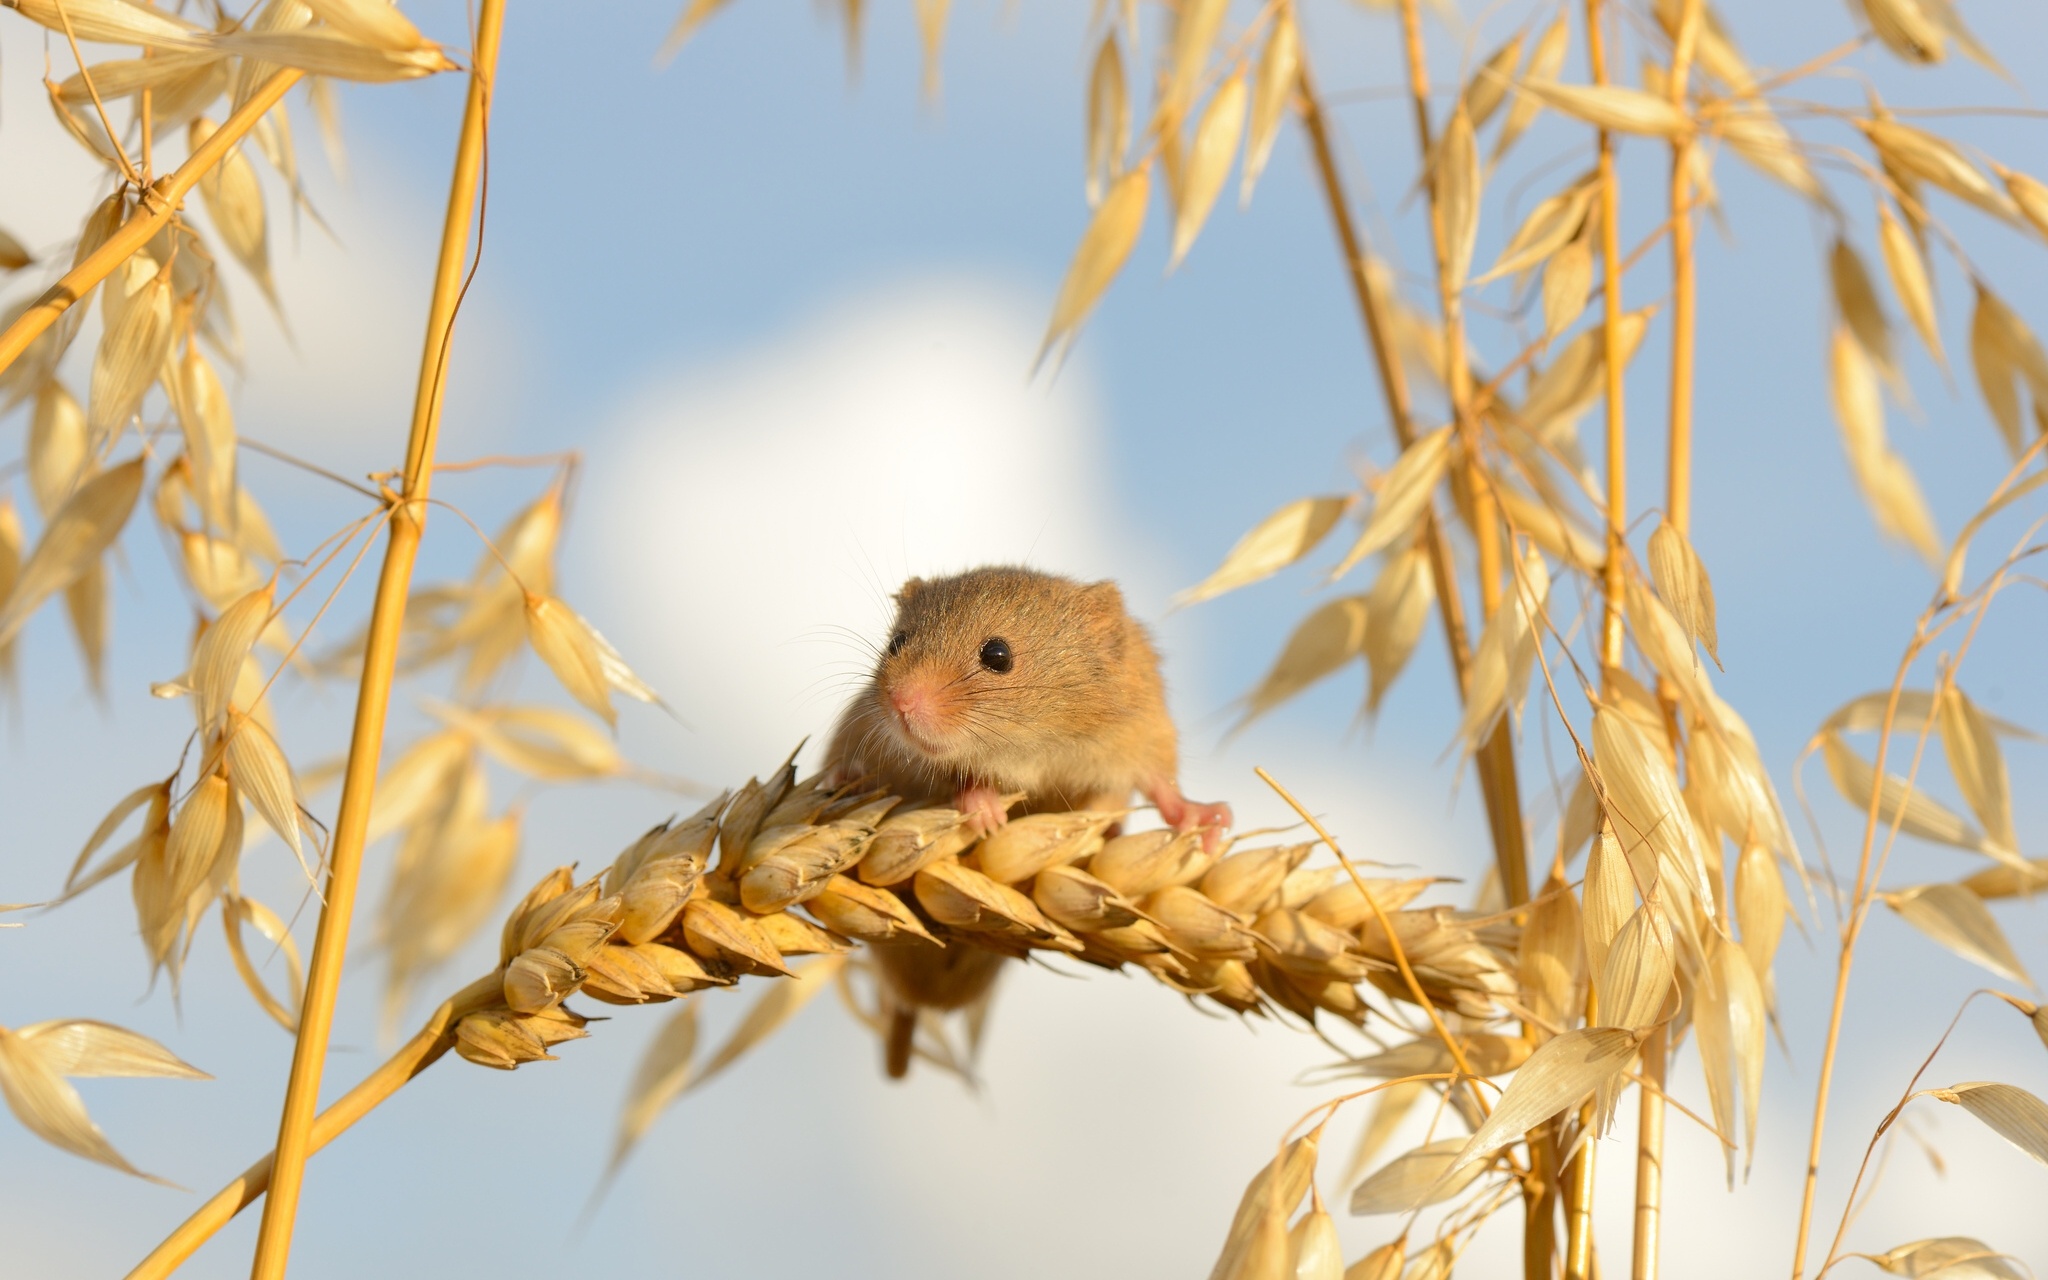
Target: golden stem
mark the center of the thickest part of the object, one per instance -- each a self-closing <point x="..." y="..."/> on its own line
<point x="1678" y="498"/>
<point x="159" y="201"/>
<point x="1497" y="755"/>
<point x="1578" y="1263"/>
<point x="380" y="657"/>
<point x="1393" y="375"/>
<point x="1578" y="1206"/>
<point x="1498" y="783"/>
<point x="1650" y="1156"/>
<point x="416" y="1055"/>
<point x="1678" y="511"/>
<point x="148" y="130"/>
<point x="1612" y="579"/>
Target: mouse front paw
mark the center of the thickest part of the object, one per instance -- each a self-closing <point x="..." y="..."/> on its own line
<point x="1212" y="820"/>
<point x="1183" y="814"/>
<point x="985" y="807"/>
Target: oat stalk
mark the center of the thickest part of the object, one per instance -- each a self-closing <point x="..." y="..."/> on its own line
<point x="380" y="659"/>
<point x="159" y="201"/>
<point x="427" y="1047"/>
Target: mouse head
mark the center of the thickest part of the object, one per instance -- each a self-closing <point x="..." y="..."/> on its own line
<point x="989" y="663"/>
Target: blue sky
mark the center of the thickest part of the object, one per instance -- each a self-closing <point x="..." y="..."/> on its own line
<point x="787" y="319"/>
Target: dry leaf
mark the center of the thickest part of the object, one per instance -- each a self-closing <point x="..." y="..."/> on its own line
<point x="1104" y="246"/>
<point x="1638" y="972"/>
<point x="569" y="647"/>
<point x="1396" y="611"/>
<point x="14" y="255"/>
<point x="2002" y="350"/>
<point x="2029" y="194"/>
<point x="2011" y="1112"/>
<point x="262" y="774"/>
<point x="376" y="23"/>
<point x="931" y="33"/>
<point x="1908" y="271"/>
<point x="112" y="22"/>
<point x="1272" y="84"/>
<point x="1948" y="1258"/>
<point x="1913" y="810"/>
<point x="1109" y="118"/>
<point x="1905" y="29"/>
<point x="776" y="1006"/>
<point x="1195" y="25"/>
<point x="1643" y="800"/>
<point x="1731" y="1018"/>
<point x="48" y="1106"/>
<point x="1489" y="85"/>
<point x="327" y="52"/>
<point x="59" y="456"/>
<point x="237" y="911"/>
<point x="1613" y="107"/>
<point x="1978" y="766"/>
<point x="1313" y="1250"/>
<point x="1760" y="906"/>
<point x="1272" y="1195"/>
<point x="1563" y="1072"/>
<point x="1456" y="197"/>
<point x="1545" y="61"/>
<point x="81" y="1047"/>
<point x="1920" y="154"/>
<point x="1549" y="226"/>
<point x="1683" y="583"/>
<point x="661" y="1077"/>
<point x="1887" y="483"/>
<point x="1501" y="665"/>
<point x="694" y="15"/>
<point x="1274" y="543"/>
<point x="73" y="541"/>
<point x="218" y="657"/>
<point x="131" y="351"/>
<point x="1856" y="302"/>
<point x="1755" y="134"/>
<point x="1959" y="921"/>
<point x="1326" y="640"/>
<point x="1208" y="164"/>
<point x="1567" y="283"/>
<point x="1415" y="1179"/>
<point x="1403" y="496"/>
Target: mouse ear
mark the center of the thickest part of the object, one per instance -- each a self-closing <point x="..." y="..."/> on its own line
<point x="1105" y="593"/>
<point x="907" y="590"/>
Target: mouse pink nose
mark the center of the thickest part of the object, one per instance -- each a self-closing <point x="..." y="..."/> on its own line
<point x="911" y="701"/>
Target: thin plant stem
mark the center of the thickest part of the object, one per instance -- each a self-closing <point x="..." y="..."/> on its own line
<point x="380" y="660"/>
<point x="1650" y="1155"/>
<point x="159" y="202"/>
<point x="1578" y="1262"/>
<point x="1393" y="375"/>
<point x="1870" y="867"/>
<point x="85" y="74"/>
<point x="1379" y="912"/>
<point x="1497" y="753"/>
<point x="1499" y="786"/>
<point x="1644" y="1259"/>
<point x="426" y="1048"/>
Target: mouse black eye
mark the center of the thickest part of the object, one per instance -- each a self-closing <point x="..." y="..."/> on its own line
<point x="996" y="656"/>
<point x="897" y="641"/>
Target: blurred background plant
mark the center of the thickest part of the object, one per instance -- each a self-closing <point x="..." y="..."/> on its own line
<point x="1537" y="265"/>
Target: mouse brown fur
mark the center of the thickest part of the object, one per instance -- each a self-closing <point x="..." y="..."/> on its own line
<point x="1004" y="680"/>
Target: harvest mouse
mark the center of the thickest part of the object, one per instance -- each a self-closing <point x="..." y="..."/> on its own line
<point x="1005" y="680"/>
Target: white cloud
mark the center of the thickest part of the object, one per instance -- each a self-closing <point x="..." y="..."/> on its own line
<point x="743" y="515"/>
